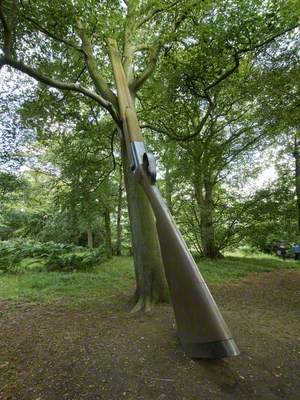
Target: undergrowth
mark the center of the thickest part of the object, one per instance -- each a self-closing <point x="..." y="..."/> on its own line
<point x="114" y="278"/>
<point x="17" y="256"/>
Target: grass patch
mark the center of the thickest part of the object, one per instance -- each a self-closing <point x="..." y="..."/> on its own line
<point x="235" y="267"/>
<point x="115" y="277"/>
<point x="73" y="288"/>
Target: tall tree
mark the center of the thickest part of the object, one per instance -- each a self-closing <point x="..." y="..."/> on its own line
<point x="210" y="104"/>
<point x="63" y="46"/>
<point x="297" y="174"/>
<point x="119" y="213"/>
<point x="281" y="88"/>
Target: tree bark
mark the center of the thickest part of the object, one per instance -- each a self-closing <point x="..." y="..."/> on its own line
<point x="168" y="190"/>
<point x="204" y="198"/>
<point x="90" y="237"/>
<point x="297" y="176"/>
<point x="151" y="286"/>
<point x="119" y="214"/>
<point x="108" y="243"/>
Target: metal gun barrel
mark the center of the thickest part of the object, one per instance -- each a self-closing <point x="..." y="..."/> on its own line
<point x="201" y="327"/>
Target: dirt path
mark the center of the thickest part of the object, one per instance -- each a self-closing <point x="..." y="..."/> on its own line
<point x="49" y="353"/>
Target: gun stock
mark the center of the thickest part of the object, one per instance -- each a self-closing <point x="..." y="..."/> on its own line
<point x="201" y="327"/>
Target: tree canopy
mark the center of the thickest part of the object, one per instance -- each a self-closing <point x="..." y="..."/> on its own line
<point x="215" y="86"/>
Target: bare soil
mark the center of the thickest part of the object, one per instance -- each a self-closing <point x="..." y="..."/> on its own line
<point x="49" y="353"/>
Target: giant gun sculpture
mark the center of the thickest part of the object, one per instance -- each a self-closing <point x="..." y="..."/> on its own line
<point x="201" y="327"/>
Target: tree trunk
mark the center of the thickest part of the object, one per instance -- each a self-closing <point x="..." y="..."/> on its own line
<point x="168" y="190"/>
<point x="151" y="286"/>
<point x="204" y="198"/>
<point x="297" y="177"/>
<point x="108" y="245"/>
<point x="90" y="238"/>
<point x="119" y="213"/>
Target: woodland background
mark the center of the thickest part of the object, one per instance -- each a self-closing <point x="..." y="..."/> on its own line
<point x="216" y="89"/>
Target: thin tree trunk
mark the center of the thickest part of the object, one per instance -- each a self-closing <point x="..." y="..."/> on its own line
<point x="90" y="237"/>
<point x="151" y="286"/>
<point x="204" y="198"/>
<point x="297" y="176"/>
<point x="119" y="214"/>
<point x="108" y="243"/>
<point x="168" y="190"/>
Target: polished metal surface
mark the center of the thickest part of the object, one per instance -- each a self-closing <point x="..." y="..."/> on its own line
<point x="221" y="349"/>
<point x="201" y="327"/>
<point x="199" y="321"/>
<point x="138" y="150"/>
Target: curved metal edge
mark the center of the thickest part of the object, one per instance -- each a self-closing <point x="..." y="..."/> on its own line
<point x="150" y="166"/>
<point x="222" y="349"/>
<point x="138" y="149"/>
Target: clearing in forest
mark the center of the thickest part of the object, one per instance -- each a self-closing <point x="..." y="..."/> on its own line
<point x="56" y="352"/>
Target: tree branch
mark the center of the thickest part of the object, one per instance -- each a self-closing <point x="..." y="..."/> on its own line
<point x="237" y="152"/>
<point x="154" y="128"/>
<point x="202" y="122"/>
<point x="99" y="82"/>
<point x="156" y="48"/>
<point x="7" y="45"/>
<point x="151" y="14"/>
<point x="166" y="132"/>
<point x="141" y="79"/>
<point x="142" y="47"/>
<point x="2" y="18"/>
<point x="226" y="74"/>
<point x="51" y="34"/>
<point x="107" y="174"/>
<point x="269" y="40"/>
<point x="186" y="137"/>
<point x="69" y="86"/>
<point x="237" y="134"/>
<point x="237" y="53"/>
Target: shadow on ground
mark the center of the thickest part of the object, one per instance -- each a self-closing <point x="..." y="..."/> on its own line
<point x="50" y="353"/>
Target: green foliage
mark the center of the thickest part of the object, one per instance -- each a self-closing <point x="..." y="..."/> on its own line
<point x="62" y="210"/>
<point x="271" y="215"/>
<point x="10" y="183"/>
<point x="221" y="70"/>
<point x="30" y="248"/>
<point x="116" y="276"/>
<point x="74" y="262"/>
<point x="20" y="256"/>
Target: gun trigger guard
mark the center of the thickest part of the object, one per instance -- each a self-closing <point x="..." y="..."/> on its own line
<point x="149" y="165"/>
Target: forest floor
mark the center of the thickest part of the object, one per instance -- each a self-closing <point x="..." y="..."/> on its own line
<point x="56" y="352"/>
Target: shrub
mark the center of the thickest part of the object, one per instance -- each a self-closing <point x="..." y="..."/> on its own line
<point x="16" y="250"/>
<point x="53" y="256"/>
<point x="74" y="262"/>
